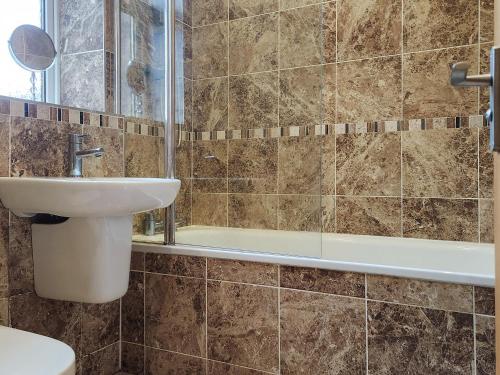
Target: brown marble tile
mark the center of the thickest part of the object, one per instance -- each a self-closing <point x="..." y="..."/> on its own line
<point x="253" y="166"/>
<point x="247" y="8"/>
<point x="369" y="215"/>
<point x="438" y="24"/>
<point x="5" y="107"/>
<point x="288" y="4"/>
<point x="4" y="253"/>
<point x="484" y="67"/>
<point x="161" y="362"/>
<point x="307" y="35"/>
<point x="175" y="314"/>
<point x="440" y="163"/>
<point x="299" y="165"/>
<point x="4" y="145"/>
<point x="370" y="28"/>
<point x="132" y="362"/>
<point x="321" y="334"/>
<point x="184" y="11"/>
<point x="218" y="368"/>
<point x="426" y="88"/>
<point x="132" y="310"/>
<point x="452" y="297"/>
<point x="369" y="164"/>
<point x="486" y="221"/>
<point x="323" y="281"/>
<point x="111" y="164"/>
<point x="210" y="104"/>
<point x="484" y="299"/>
<point x="485" y="345"/>
<point x="4" y="312"/>
<point x="57" y="319"/>
<point x="100" y="325"/>
<point x="252" y="211"/>
<point x="328" y="214"/>
<point x="187" y="103"/>
<point x="209" y="185"/>
<point x="210" y="51"/>
<point x="209" y="11"/>
<point x="210" y="159"/>
<point x="243" y="325"/>
<point x="301" y="96"/>
<point x="183" y="203"/>
<point x="137" y="261"/>
<point x="485" y="165"/>
<point x="40" y="148"/>
<point x="184" y="159"/>
<point x="300" y="213"/>
<point x="441" y="219"/>
<point x="369" y="90"/>
<point x="253" y="44"/>
<point x="242" y="272"/>
<point x="412" y="340"/>
<point x="253" y="101"/>
<point x="486" y="10"/>
<point x="20" y="256"/>
<point x="177" y="265"/>
<point x="141" y="156"/>
<point x="103" y="362"/>
<point x="328" y="165"/>
<point x="210" y="209"/>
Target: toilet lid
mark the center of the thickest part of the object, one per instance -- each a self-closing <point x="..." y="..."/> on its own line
<point x="25" y="353"/>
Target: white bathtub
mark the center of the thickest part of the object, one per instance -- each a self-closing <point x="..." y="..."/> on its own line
<point x="455" y="262"/>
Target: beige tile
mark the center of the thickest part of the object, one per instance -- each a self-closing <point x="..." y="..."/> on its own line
<point x="210" y="51"/>
<point x="253" y="101"/>
<point x="253" y="45"/>
<point x="431" y="24"/>
<point x="336" y="326"/>
<point x="210" y="111"/>
<point x="441" y="219"/>
<point x="243" y="325"/>
<point x="426" y="88"/>
<point x="252" y="211"/>
<point x="369" y="216"/>
<point x="242" y="272"/>
<point x="307" y="35"/>
<point x="440" y="163"/>
<point x="299" y="165"/>
<point x="486" y="221"/>
<point x="209" y="11"/>
<point x="421" y="293"/>
<point x="247" y="8"/>
<point x="369" y="164"/>
<point x="175" y="314"/>
<point x="253" y="166"/>
<point x="369" y="90"/>
<point x="370" y="28"/>
<point x="300" y="213"/>
<point x="209" y="209"/>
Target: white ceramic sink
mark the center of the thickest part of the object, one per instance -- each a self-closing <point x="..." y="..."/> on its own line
<point x="25" y="353"/>
<point x="86" y="197"/>
<point x="84" y="256"/>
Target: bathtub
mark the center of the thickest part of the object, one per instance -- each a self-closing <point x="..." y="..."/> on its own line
<point x="446" y="261"/>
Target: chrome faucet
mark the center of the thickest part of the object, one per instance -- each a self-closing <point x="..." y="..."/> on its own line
<point x="76" y="154"/>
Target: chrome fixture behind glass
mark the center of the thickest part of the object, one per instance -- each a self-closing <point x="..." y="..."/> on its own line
<point x="151" y="226"/>
<point x="460" y="78"/>
<point x="76" y="154"/>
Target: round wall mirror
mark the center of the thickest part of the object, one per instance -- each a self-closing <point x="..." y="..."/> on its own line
<point x="32" y="48"/>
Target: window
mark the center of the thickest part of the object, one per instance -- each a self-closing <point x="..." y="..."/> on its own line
<point x="14" y="80"/>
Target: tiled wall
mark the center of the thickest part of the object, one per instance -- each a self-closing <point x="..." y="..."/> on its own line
<point x="34" y="142"/>
<point x="337" y="116"/>
<point x="187" y="315"/>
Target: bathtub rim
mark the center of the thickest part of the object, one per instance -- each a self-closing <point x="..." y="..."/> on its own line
<point x="327" y="264"/>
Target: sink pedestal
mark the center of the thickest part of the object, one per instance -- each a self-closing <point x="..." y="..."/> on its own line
<point x="83" y="259"/>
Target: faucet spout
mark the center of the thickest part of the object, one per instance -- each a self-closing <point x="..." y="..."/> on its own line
<point x="97" y="152"/>
<point x="76" y="154"/>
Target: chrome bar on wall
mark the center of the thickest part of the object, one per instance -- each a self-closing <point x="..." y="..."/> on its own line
<point x="170" y="142"/>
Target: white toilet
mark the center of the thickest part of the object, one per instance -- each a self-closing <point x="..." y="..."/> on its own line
<point x="25" y="353"/>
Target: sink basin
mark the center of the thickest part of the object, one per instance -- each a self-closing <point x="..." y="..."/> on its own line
<point x="84" y="256"/>
<point x="25" y="353"/>
<point x="86" y="197"/>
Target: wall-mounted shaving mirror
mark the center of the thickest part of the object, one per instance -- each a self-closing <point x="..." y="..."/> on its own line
<point x="32" y="48"/>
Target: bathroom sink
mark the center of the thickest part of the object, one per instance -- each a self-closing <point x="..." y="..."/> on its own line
<point x="86" y="197"/>
<point x="25" y="353"/>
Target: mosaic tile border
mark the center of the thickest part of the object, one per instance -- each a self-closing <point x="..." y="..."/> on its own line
<point x="44" y="111"/>
<point x="476" y="121"/>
